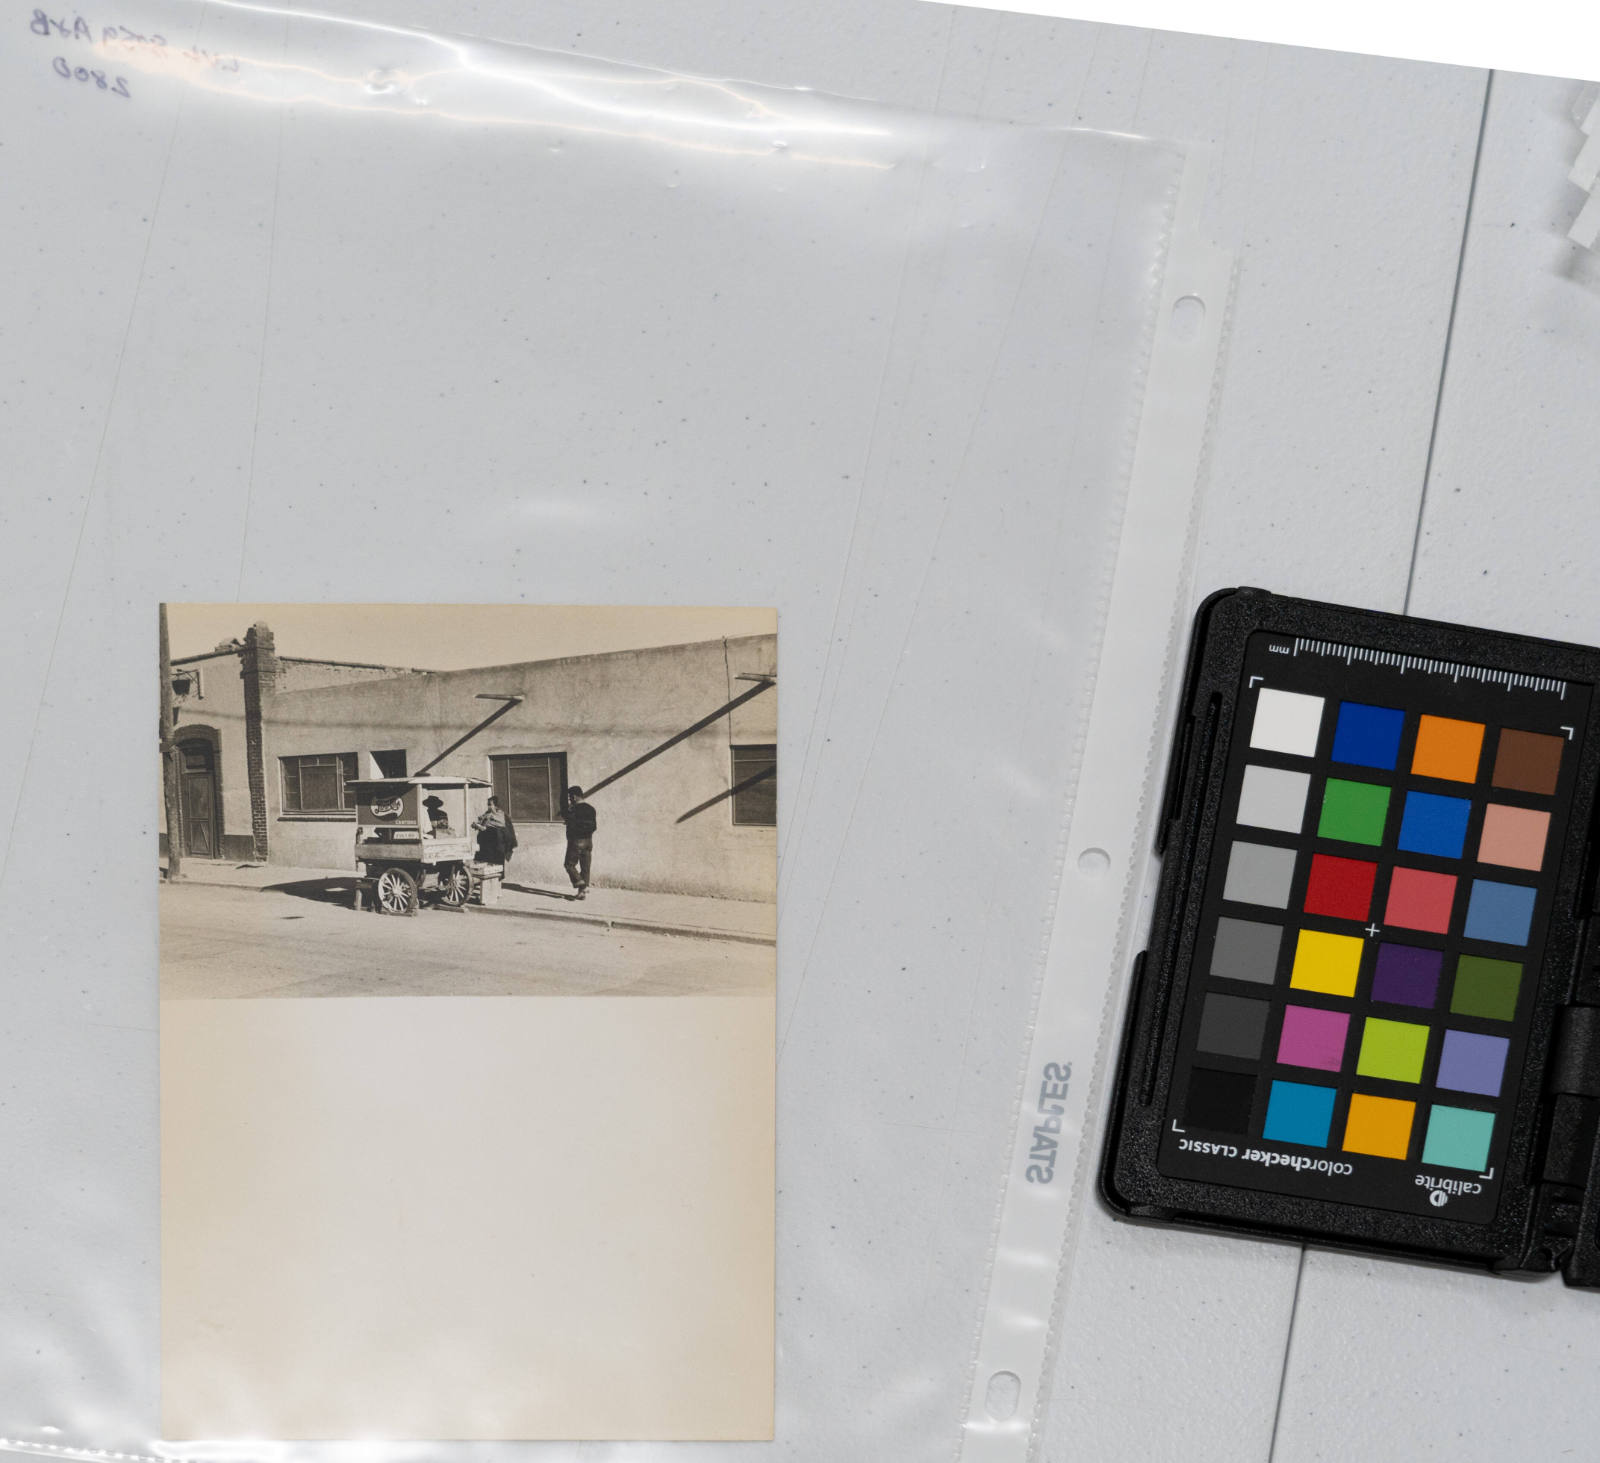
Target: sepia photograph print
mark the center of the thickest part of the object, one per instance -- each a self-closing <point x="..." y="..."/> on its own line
<point x="468" y="956"/>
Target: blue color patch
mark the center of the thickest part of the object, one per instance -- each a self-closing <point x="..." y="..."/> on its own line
<point x="1299" y="1113"/>
<point x="1499" y="912"/>
<point x="1368" y="736"/>
<point x="1433" y="824"/>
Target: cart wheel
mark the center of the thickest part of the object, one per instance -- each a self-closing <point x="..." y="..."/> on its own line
<point x="455" y="885"/>
<point x="395" y="892"/>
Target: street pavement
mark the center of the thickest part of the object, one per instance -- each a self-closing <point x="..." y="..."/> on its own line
<point x="218" y="941"/>
<point x="522" y="894"/>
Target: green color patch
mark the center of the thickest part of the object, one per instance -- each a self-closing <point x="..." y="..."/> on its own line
<point x="1458" y="1137"/>
<point x="1353" y="812"/>
<point x="1393" y="1050"/>
<point x="1486" y="988"/>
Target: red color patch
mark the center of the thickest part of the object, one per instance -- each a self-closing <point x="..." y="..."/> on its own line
<point x="1340" y="888"/>
<point x="1419" y="900"/>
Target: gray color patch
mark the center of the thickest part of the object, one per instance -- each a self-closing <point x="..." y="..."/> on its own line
<point x="1232" y="1026"/>
<point x="1258" y="874"/>
<point x="1273" y="798"/>
<point x="1245" y="950"/>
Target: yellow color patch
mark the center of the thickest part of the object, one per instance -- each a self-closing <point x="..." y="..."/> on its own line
<point x="1378" y="1125"/>
<point x="1326" y="963"/>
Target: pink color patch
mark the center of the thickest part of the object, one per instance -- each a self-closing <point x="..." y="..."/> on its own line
<point x="1313" y="1038"/>
<point x="1513" y="837"/>
<point x="1419" y="900"/>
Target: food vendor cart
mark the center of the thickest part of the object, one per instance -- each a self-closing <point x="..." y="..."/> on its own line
<point x="415" y="841"/>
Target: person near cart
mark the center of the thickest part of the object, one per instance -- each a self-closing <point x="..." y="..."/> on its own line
<point x="497" y="835"/>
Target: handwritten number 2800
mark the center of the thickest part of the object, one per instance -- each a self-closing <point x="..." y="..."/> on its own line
<point x="117" y="85"/>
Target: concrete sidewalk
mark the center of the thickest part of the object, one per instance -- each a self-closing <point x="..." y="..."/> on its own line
<point x="612" y="909"/>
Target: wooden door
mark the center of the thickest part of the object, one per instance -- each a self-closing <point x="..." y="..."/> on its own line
<point x="197" y="799"/>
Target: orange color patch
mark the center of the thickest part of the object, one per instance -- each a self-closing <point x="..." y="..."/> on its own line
<point x="1448" y="748"/>
<point x="1380" y="1126"/>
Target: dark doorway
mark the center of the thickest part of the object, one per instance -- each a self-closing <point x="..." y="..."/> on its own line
<point x="197" y="799"/>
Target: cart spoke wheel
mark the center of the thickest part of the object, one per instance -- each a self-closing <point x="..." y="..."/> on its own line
<point x="397" y="892"/>
<point x="455" y="885"/>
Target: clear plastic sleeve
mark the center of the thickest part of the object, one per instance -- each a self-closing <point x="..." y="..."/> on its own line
<point x="330" y="310"/>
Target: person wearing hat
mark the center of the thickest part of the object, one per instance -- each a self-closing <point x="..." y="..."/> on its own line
<point x="580" y="820"/>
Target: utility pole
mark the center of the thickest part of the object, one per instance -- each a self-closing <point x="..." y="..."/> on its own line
<point x="169" y="759"/>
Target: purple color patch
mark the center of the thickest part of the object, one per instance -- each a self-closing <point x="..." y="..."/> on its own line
<point x="1312" y="1038"/>
<point x="1406" y="975"/>
<point x="1472" y="1063"/>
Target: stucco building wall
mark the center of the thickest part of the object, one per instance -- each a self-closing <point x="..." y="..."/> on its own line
<point x="213" y="710"/>
<point x="668" y="825"/>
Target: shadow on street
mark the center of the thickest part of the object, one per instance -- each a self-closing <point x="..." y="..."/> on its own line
<point x="323" y="891"/>
<point x="534" y="889"/>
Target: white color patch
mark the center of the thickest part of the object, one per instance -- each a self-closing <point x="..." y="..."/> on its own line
<point x="1288" y="722"/>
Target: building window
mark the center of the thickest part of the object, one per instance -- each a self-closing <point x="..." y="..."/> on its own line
<point x="755" y="786"/>
<point x="389" y="764"/>
<point x="532" y="787"/>
<point x="317" y="784"/>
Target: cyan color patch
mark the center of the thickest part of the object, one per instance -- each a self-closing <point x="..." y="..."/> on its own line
<point x="1434" y="824"/>
<point x="1368" y="736"/>
<point x="1299" y="1113"/>
<point x="1458" y="1137"/>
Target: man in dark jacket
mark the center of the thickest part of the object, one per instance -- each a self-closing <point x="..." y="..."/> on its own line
<point x="580" y="820"/>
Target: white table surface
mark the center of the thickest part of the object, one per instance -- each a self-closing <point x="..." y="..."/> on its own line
<point x="1384" y="439"/>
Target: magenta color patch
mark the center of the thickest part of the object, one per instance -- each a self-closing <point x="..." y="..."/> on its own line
<point x="1313" y="1038"/>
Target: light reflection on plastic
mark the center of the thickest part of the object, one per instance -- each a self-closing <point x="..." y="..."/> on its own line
<point x="587" y="93"/>
<point x="258" y="1451"/>
<point x="1028" y="1259"/>
<point x="1019" y="1320"/>
<point x="86" y="1455"/>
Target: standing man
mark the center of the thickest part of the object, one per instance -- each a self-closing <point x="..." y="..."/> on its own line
<point x="580" y="820"/>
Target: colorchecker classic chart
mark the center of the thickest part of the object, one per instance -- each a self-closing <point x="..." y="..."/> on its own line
<point x="1370" y="924"/>
<point x="1366" y="1014"/>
